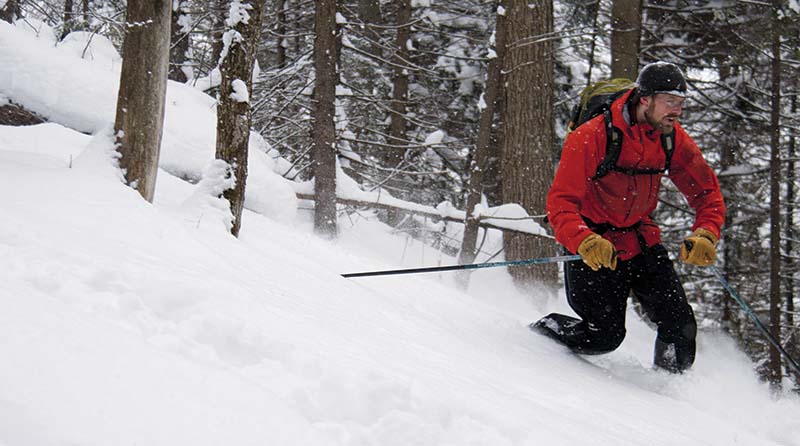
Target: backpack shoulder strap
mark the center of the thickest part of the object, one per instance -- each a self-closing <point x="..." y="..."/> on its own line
<point x="613" y="146"/>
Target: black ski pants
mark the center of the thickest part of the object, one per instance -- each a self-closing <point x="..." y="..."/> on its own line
<point x="600" y="299"/>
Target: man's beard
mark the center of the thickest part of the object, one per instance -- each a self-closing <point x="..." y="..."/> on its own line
<point x="665" y="127"/>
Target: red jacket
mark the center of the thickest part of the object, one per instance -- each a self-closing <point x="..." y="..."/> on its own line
<point x="622" y="200"/>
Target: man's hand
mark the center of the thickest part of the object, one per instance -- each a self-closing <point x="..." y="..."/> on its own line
<point x="597" y="251"/>
<point x="699" y="248"/>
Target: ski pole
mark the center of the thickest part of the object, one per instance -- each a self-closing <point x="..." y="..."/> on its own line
<point x="755" y="319"/>
<point x="467" y="266"/>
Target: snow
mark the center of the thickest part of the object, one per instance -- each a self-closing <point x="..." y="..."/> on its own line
<point x="238" y="13"/>
<point x="125" y="322"/>
<point x="341" y="90"/>
<point x="240" y="93"/>
<point x="93" y="47"/>
<point x="482" y="102"/>
<point x="214" y="78"/>
<point x="184" y="20"/>
<point x="229" y="37"/>
<point x="435" y="137"/>
<point x="509" y="216"/>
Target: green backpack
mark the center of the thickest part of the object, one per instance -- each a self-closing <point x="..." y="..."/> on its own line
<point x="596" y="99"/>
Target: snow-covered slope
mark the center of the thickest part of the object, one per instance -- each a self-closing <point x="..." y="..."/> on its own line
<point x="125" y="322"/>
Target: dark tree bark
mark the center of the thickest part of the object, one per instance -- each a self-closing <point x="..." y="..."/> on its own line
<point x="369" y="12"/>
<point x="323" y="127"/>
<point x="729" y="148"/>
<point x="221" y="10"/>
<point x="791" y="177"/>
<point x="626" y="31"/>
<point x="179" y="43"/>
<point x="595" y="11"/>
<point x="397" y="125"/>
<point x="142" y="89"/>
<point x="775" y="372"/>
<point x="480" y="159"/>
<point x="493" y="177"/>
<point x="233" y="109"/>
<point x="529" y="136"/>
<point x="85" y="10"/>
<point x="280" y="31"/>
<point x="11" y="11"/>
<point x="69" y="19"/>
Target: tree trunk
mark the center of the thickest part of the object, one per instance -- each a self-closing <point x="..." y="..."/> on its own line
<point x="323" y="127"/>
<point x="480" y="159"/>
<point x="233" y="110"/>
<point x="397" y="126"/>
<point x="218" y="30"/>
<point x="280" y="32"/>
<point x="69" y="19"/>
<point x="179" y="43"/>
<point x="11" y="11"/>
<point x="775" y="373"/>
<point x="729" y="148"/>
<point x="595" y="35"/>
<point x="493" y="177"/>
<point x="791" y="177"/>
<point x="728" y="248"/>
<point x="626" y="31"/>
<point x="529" y="135"/>
<point x="369" y="12"/>
<point x="85" y="10"/>
<point x="142" y="90"/>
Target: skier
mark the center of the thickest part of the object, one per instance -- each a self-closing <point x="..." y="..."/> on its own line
<point x="605" y="218"/>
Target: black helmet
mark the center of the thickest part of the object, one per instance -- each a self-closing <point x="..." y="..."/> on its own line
<point x="661" y="77"/>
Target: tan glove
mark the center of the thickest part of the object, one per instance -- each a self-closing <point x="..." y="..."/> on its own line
<point x="699" y="248"/>
<point x="597" y="251"/>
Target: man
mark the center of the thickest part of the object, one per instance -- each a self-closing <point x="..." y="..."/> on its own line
<point x="606" y="219"/>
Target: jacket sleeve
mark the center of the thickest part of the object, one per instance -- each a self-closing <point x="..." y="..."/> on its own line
<point x="578" y="163"/>
<point x="692" y="175"/>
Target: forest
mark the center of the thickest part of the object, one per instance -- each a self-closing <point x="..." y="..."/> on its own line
<point x="464" y="105"/>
